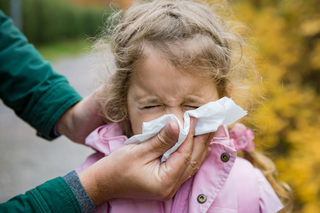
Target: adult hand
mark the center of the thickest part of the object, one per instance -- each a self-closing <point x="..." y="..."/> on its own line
<point x="82" y="118"/>
<point x="135" y="171"/>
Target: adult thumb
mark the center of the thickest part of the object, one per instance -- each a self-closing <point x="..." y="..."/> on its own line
<point x="163" y="141"/>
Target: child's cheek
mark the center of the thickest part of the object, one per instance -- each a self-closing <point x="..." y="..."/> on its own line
<point x="137" y="121"/>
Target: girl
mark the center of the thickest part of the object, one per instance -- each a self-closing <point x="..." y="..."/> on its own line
<point x="172" y="57"/>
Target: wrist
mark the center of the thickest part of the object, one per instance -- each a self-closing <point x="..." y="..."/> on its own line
<point x="97" y="182"/>
<point x="65" y="122"/>
<point x="86" y="204"/>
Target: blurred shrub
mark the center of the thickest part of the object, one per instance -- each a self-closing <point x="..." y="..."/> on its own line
<point x="49" y="20"/>
<point x="4" y="6"/>
<point x="287" y="34"/>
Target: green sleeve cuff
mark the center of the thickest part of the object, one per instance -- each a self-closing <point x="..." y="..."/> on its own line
<point x="50" y="106"/>
<point x="28" y="84"/>
<point x="53" y="196"/>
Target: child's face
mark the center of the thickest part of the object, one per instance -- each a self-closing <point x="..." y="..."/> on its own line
<point x="158" y="88"/>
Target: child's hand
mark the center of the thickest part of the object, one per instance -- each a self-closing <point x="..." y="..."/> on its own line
<point x="81" y="119"/>
<point x="134" y="171"/>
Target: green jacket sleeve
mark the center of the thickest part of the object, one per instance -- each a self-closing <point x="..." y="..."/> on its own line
<point x="28" y="84"/>
<point x="52" y="196"/>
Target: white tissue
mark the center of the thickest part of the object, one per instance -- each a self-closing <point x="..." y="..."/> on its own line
<point x="209" y="117"/>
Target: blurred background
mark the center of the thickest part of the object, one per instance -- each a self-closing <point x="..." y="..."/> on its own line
<point x="287" y="39"/>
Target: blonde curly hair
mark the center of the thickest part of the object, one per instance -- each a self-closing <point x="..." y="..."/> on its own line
<point x="191" y="36"/>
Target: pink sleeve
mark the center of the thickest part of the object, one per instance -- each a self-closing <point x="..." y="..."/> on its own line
<point x="269" y="201"/>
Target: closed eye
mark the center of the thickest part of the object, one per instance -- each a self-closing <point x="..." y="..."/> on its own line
<point x="150" y="107"/>
<point x="193" y="107"/>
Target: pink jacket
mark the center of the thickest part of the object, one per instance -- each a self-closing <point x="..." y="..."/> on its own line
<point x="225" y="183"/>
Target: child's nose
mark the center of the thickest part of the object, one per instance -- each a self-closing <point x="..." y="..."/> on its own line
<point x="178" y="113"/>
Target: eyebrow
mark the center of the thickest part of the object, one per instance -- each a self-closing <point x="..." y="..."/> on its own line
<point x="155" y="100"/>
<point x="193" y="99"/>
<point x="147" y="100"/>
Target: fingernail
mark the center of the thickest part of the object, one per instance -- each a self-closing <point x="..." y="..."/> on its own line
<point x="169" y="130"/>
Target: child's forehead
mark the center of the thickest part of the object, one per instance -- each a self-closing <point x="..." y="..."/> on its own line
<point x="155" y="68"/>
<point x="194" y="54"/>
<point x="156" y="78"/>
<point x="171" y="62"/>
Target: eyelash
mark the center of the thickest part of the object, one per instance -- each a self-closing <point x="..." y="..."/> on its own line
<point x="150" y="107"/>
<point x="194" y="107"/>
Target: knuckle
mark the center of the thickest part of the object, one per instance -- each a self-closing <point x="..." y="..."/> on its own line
<point x="187" y="160"/>
<point x="201" y="139"/>
<point x="194" y="164"/>
<point x="194" y="167"/>
<point x="160" y="139"/>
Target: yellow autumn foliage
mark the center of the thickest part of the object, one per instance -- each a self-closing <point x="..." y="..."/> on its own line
<point x="287" y="34"/>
